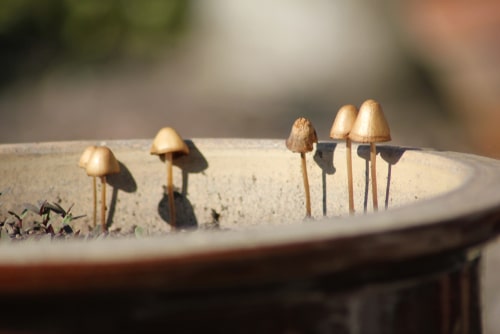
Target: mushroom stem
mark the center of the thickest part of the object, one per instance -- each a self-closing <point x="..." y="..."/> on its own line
<point x="94" y="188"/>
<point x="170" y="189"/>
<point x="103" y="204"/>
<point x="373" y="158"/>
<point x="349" y="176"/>
<point x="306" y="184"/>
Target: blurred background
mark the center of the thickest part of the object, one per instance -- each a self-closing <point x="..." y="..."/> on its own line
<point x="121" y="69"/>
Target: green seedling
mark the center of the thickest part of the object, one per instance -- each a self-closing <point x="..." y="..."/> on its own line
<point x="17" y="227"/>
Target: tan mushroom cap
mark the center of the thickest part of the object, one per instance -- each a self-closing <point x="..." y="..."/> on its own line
<point x="302" y="136"/>
<point x="371" y="125"/>
<point x="84" y="158"/>
<point x="102" y="162"/>
<point x="342" y="125"/>
<point x="167" y="140"/>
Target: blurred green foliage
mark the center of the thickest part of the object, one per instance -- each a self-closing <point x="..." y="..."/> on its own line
<point x="35" y="34"/>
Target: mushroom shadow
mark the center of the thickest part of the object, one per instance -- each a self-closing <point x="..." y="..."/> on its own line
<point x="324" y="159"/>
<point x="194" y="162"/>
<point x="185" y="217"/>
<point x="364" y="153"/>
<point x="123" y="181"/>
<point x="391" y="155"/>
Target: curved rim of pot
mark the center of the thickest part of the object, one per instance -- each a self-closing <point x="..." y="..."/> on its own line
<point x="465" y="217"/>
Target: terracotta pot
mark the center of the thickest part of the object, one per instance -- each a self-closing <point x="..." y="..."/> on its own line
<point x="410" y="268"/>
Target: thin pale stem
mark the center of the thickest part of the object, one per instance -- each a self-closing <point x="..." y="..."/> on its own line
<point x="373" y="159"/>
<point x="94" y="188"/>
<point x="170" y="189"/>
<point x="349" y="176"/>
<point x="103" y="204"/>
<point x="306" y="184"/>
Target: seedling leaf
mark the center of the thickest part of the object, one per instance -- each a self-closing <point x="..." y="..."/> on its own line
<point x="139" y="232"/>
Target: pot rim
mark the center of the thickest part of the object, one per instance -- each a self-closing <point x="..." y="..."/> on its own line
<point x="317" y="246"/>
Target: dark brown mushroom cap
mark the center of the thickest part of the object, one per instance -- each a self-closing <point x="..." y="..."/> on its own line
<point x="102" y="162"/>
<point x="84" y="158"/>
<point x="342" y="125"/>
<point x="302" y="136"/>
<point x="167" y="140"/>
<point x="371" y="125"/>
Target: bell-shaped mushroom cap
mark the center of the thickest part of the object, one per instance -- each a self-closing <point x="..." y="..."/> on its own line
<point x="167" y="140"/>
<point x="302" y="136"/>
<point x="342" y="125"/>
<point x="102" y="162"/>
<point x="371" y="125"/>
<point x="84" y="158"/>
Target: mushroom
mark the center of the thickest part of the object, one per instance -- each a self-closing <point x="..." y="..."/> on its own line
<point x="84" y="158"/>
<point x="346" y="116"/>
<point x="167" y="143"/>
<point x="101" y="163"/>
<point x="371" y="127"/>
<point x="301" y="140"/>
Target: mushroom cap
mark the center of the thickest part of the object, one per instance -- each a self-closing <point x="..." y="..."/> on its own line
<point x="84" y="158"/>
<point x="371" y="125"/>
<point x="302" y="136"/>
<point x="167" y="140"/>
<point x="102" y="162"/>
<point x="342" y="125"/>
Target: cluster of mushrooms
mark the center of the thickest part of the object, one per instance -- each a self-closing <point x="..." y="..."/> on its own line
<point x="99" y="161"/>
<point x="367" y="126"/>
